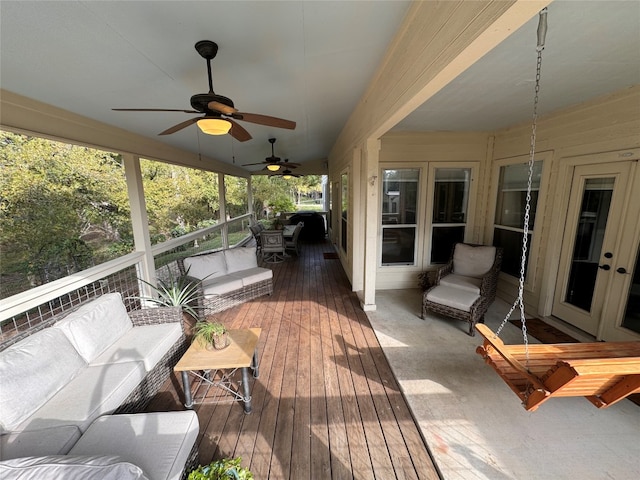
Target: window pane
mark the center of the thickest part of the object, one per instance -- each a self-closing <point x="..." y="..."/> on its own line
<point x="511" y="242"/>
<point x="179" y="199"/>
<point x="64" y="209"/>
<point x="451" y="195"/>
<point x="398" y="246"/>
<point x="345" y="208"/>
<point x="442" y="241"/>
<point x="399" y="196"/>
<point x="512" y="195"/>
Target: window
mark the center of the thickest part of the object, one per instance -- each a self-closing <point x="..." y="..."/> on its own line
<point x="450" y="211"/>
<point x="398" y="216"/>
<point x="345" y="208"/>
<point x="510" y="210"/>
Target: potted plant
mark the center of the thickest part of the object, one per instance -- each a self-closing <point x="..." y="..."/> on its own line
<point x="211" y="334"/>
<point x="225" y="469"/>
<point x="180" y="292"/>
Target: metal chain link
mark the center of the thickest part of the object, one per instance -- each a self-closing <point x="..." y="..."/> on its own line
<point x="542" y="27"/>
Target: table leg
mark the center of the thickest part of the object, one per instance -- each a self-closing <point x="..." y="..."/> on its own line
<point x="246" y="389"/>
<point x="254" y="364"/>
<point x="186" y="385"/>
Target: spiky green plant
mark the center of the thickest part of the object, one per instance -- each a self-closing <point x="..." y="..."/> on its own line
<point x="176" y="292"/>
<point x="206" y="332"/>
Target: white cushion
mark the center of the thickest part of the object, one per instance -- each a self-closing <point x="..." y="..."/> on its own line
<point x="97" y="390"/>
<point x="32" y="371"/>
<point x="145" y="343"/>
<point x="253" y="275"/>
<point x="38" y="442"/>
<point x="240" y="259"/>
<point x="64" y="467"/>
<point x="471" y="284"/>
<point x="96" y="325"/>
<point x="472" y="261"/>
<point x="159" y="442"/>
<point x="453" y="297"/>
<point x="206" y="266"/>
<point x="220" y="286"/>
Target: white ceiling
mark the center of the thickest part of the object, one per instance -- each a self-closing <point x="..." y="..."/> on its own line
<point x="307" y="61"/>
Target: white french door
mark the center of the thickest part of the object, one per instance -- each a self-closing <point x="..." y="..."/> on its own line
<point x="596" y="268"/>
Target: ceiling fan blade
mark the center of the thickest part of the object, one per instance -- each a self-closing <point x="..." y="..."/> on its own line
<point x="253" y="164"/>
<point x="222" y="108"/>
<point x="265" y="120"/>
<point x="152" y="110"/>
<point x="238" y="132"/>
<point x="179" y="126"/>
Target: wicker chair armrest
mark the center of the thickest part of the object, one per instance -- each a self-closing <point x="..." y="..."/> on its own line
<point x="152" y="316"/>
<point x="441" y="272"/>
<point x="490" y="279"/>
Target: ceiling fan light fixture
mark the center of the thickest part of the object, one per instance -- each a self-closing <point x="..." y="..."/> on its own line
<point x="214" y="126"/>
<point x="273" y="167"/>
<point x="286" y="176"/>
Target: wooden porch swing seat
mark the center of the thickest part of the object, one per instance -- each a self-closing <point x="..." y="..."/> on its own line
<point x="602" y="372"/>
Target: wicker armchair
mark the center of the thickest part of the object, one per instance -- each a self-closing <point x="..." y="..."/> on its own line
<point x="465" y="287"/>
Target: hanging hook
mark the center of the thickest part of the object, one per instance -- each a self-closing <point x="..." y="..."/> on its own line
<point x="542" y="29"/>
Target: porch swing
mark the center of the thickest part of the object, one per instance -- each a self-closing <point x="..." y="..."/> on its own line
<point x="603" y="372"/>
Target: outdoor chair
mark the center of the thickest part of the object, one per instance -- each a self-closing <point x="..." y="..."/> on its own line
<point x="291" y="243"/>
<point x="466" y="286"/>
<point x="273" y="248"/>
<point x="255" y="231"/>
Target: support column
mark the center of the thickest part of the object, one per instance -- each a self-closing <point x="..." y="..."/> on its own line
<point x="140" y="222"/>
<point x="371" y="186"/>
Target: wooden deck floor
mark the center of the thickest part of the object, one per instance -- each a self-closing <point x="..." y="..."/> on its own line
<point x="326" y="404"/>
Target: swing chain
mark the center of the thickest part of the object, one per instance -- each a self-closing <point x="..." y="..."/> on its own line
<point x="542" y="30"/>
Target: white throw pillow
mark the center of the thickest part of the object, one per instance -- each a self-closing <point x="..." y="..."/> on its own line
<point x="96" y="325"/>
<point x="206" y="266"/>
<point x="70" y="467"/>
<point x="240" y="259"/>
<point x="32" y="371"/>
<point x="473" y="261"/>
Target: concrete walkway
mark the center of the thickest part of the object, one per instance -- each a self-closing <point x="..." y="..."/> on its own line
<point x="474" y="424"/>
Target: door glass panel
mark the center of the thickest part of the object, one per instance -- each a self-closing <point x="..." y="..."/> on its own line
<point x="587" y="250"/>
<point x="450" y="202"/>
<point x="398" y="216"/>
<point x="631" y="318"/>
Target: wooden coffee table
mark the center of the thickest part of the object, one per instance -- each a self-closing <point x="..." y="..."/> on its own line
<point x="207" y="364"/>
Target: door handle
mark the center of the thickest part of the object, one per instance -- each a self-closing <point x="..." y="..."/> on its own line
<point x="621" y="270"/>
<point x="605" y="267"/>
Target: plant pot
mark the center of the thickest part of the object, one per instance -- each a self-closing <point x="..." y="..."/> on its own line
<point x="221" y="341"/>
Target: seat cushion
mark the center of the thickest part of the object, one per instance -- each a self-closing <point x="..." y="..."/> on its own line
<point x="38" y="442"/>
<point x="96" y="325"/>
<point x="452" y="297"/>
<point x="220" y="286"/>
<point x="32" y="371"/>
<point x="470" y="284"/>
<point x="97" y="390"/>
<point x="159" y="442"/>
<point x="207" y="266"/>
<point x="240" y="259"/>
<point x="253" y="275"/>
<point x="145" y="343"/>
<point x="470" y="261"/>
<point x="94" y="467"/>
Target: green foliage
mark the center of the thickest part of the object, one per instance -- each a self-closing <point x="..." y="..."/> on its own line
<point x="225" y="469"/>
<point x="206" y="332"/>
<point x="176" y="292"/>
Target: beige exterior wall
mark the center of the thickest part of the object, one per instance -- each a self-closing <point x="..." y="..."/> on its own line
<point x="605" y="130"/>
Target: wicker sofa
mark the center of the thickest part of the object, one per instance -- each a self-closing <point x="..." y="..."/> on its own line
<point x="227" y="278"/>
<point x="62" y="383"/>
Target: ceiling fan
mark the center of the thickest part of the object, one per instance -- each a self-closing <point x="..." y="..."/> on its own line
<point x="219" y="112"/>
<point x="274" y="163"/>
